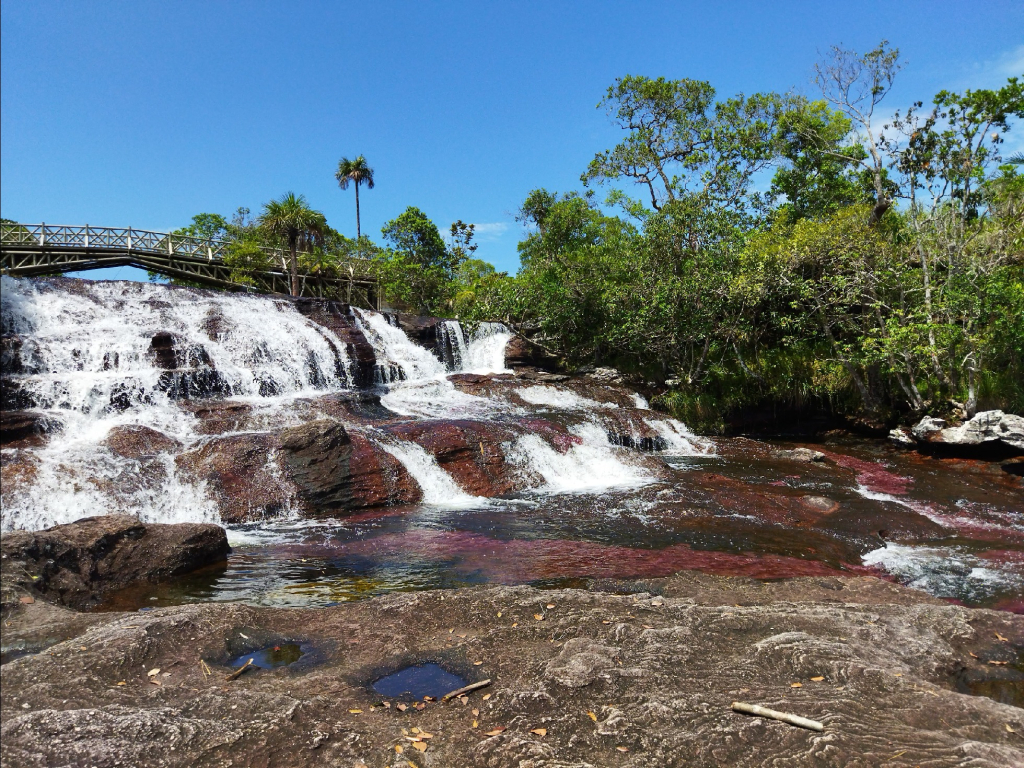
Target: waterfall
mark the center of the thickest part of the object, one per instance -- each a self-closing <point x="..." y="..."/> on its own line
<point x="119" y="371"/>
<point x="438" y="486"/>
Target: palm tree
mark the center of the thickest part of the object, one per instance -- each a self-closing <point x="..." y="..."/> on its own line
<point x="292" y="217"/>
<point x="358" y="172"/>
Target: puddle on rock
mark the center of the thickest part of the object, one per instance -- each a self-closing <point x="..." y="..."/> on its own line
<point x="418" y="681"/>
<point x="272" y="656"/>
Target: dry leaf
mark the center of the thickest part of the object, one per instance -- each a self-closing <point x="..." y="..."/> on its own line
<point x="622" y="749"/>
<point x="425" y="735"/>
<point x="898" y="674"/>
<point x="1008" y="728"/>
<point x="998" y="636"/>
<point x="122" y="683"/>
<point x="592" y="716"/>
<point x="998" y="663"/>
<point x="401" y="707"/>
<point x="499" y="614"/>
<point x="452" y="630"/>
<point x="496" y="731"/>
<point x="415" y="730"/>
<point x="796" y="685"/>
<point x="355" y="711"/>
<point x="487" y="696"/>
<point x="153" y="672"/>
<point x="539" y="616"/>
<point x="154" y="681"/>
<point x="972" y="655"/>
<point x="551" y="605"/>
<point x="429" y="698"/>
<point x="464" y="700"/>
<point x="463" y="635"/>
<point x="817" y="679"/>
<point x="26" y="599"/>
<point x="475" y="723"/>
<point x="420" y="745"/>
<point x="420" y="705"/>
<point x="477" y="663"/>
<point x="606" y="622"/>
<point x="540" y="731"/>
<point x="476" y="712"/>
<point x="387" y="705"/>
<point x="515" y="624"/>
<point x="399" y="749"/>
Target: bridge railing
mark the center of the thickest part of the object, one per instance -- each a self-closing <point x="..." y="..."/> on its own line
<point x="127" y="239"/>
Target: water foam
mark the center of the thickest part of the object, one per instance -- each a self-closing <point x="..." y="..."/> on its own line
<point x="438" y="487"/>
<point x="945" y="571"/>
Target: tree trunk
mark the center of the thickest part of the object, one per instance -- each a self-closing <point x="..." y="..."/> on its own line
<point x="292" y="245"/>
<point x="359" y="232"/>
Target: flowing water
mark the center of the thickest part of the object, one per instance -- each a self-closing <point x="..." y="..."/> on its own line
<point x="571" y="480"/>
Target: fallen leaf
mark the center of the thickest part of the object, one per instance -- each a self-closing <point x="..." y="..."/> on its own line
<point x="551" y="605"/>
<point x="1008" y="728"/>
<point x="401" y="707"/>
<point x="998" y="636"/>
<point x="476" y="712"/>
<point x="82" y="648"/>
<point x="122" y="683"/>
<point x="464" y="700"/>
<point x="355" y="711"/>
<point x="898" y="674"/>
<point x="415" y="730"/>
<point x="796" y="685"/>
<point x="539" y="616"/>
<point x="998" y="663"/>
<point x="623" y="749"/>
<point x="154" y="681"/>
<point x="399" y="749"/>
<point x="420" y="745"/>
<point x="592" y="716"/>
<point x="540" y="731"/>
<point x="972" y="655"/>
<point x="26" y="599"/>
<point x="451" y="631"/>
<point x="817" y="679"/>
<point x="462" y="635"/>
<point x="425" y="735"/>
<point x="496" y="731"/>
<point x="477" y="663"/>
<point x="499" y="614"/>
<point x="648" y="626"/>
<point x="475" y="723"/>
<point x="387" y="705"/>
<point x="515" y="624"/>
<point x="420" y="705"/>
<point x="429" y="698"/>
<point x="487" y="696"/>
<point x="606" y="622"/>
<point x="153" y="672"/>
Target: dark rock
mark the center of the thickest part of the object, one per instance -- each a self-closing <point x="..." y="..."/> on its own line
<point x="521" y="352"/>
<point x="421" y="329"/>
<point x="316" y="456"/>
<point x="75" y="564"/>
<point x="219" y="416"/>
<point x="13" y="396"/>
<point x="25" y="427"/>
<point x="337" y="318"/>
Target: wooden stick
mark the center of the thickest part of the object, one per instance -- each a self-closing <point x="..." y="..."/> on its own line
<point x="785" y="717"/>
<point x="466" y="689"/>
<point x="240" y="670"/>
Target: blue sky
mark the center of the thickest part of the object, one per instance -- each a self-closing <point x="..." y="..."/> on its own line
<point x="144" y="113"/>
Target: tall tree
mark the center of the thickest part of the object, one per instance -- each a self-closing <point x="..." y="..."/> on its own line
<point x="357" y="172"/>
<point x="292" y="218"/>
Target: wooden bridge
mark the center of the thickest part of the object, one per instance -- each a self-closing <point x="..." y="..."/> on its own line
<point x="44" y="249"/>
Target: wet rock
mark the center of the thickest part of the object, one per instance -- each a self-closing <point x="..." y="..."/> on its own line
<point x="607" y="375"/>
<point x="800" y="454"/>
<point x="13" y="396"/>
<point x="76" y="563"/>
<point x="219" y="416"/>
<point x="242" y="475"/>
<point x="902" y="438"/>
<point x="421" y="329"/>
<point x="135" y="442"/>
<point x="316" y="456"/>
<point x="25" y="428"/>
<point x="188" y="370"/>
<point x="338" y="319"/>
<point x="471" y="452"/>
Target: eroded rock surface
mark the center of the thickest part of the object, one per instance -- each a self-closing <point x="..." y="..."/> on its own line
<point x="75" y="564"/>
<point x="643" y="679"/>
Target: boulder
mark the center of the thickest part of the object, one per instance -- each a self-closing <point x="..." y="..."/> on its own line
<point x="800" y="454"/>
<point x="25" y="427"/>
<point x="316" y="457"/>
<point x="988" y="429"/>
<point x="134" y="441"/>
<point x="520" y="352"/>
<point x="75" y="564"/>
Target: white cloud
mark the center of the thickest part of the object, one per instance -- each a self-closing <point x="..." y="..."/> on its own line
<point x="491" y="230"/>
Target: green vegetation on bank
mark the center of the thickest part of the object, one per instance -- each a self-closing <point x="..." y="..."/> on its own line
<point x="763" y="249"/>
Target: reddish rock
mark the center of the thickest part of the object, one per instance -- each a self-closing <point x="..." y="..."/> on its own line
<point x="135" y="442"/>
<point x="521" y="352"/>
<point x="470" y="451"/>
<point x="338" y="319"/>
<point x="25" y="428"/>
<point x="219" y="416"/>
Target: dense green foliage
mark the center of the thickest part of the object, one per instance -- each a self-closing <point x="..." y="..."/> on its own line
<point x="783" y="250"/>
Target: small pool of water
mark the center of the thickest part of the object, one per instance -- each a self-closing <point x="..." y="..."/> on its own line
<point x="415" y="682"/>
<point x="270" y="657"/>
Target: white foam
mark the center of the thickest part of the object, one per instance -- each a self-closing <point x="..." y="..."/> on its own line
<point x="945" y="571"/>
<point x="564" y="399"/>
<point x="679" y="440"/>
<point x="592" y="465"/>
<point x="640" y="402"/>
<point x="438" y="487"/>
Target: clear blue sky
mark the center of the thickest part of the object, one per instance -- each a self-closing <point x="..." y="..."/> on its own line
<point x="144" y="113"/>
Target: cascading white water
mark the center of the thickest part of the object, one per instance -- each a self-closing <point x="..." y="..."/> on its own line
<point x="437" y="486"/>
<point x="678" y="439"/>
<point x="592" y="464"/>
<point x="90" y="366"/>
